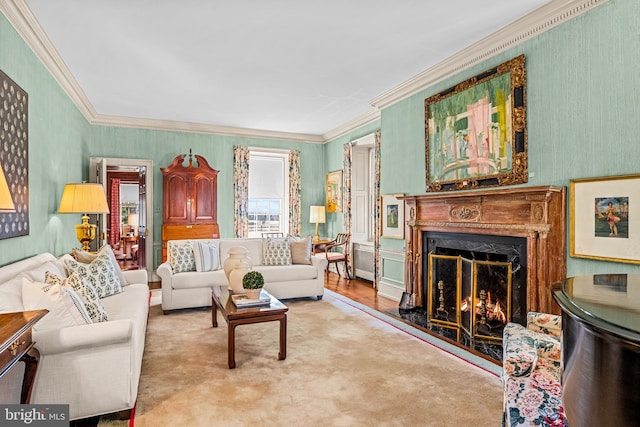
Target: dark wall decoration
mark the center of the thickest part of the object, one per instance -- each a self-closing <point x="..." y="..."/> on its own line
<point x="14" y="158"/>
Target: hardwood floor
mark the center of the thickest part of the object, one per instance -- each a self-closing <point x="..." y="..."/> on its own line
<point x="358" y="290"/>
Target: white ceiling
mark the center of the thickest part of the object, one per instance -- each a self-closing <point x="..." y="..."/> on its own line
<point x="291" y="66"/>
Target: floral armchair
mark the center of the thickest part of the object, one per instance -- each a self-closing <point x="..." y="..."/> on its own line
<point x="531" y="372"/>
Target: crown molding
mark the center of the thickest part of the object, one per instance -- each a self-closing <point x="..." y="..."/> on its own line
<point x="175" y="126"/>
<point x="363" y="119"/>
<point x="22" y="19"/>
<point x="539" y="21"/>
<point x="543" y="19"/>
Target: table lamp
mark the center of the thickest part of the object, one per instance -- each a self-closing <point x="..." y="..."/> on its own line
<point x="133" y="222"/>
<point x="317" y="215"/>
<point x="6" y="202"/>
<point x="85" y="199"/>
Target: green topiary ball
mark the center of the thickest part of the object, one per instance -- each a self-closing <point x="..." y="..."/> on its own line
<point x="253" y="280"/>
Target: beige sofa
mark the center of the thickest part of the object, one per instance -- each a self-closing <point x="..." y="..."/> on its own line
<point x="193" y="288"/>
<point x="95" y="368"/>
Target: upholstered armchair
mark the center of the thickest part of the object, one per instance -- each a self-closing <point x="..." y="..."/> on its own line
<point x="531" y="372"/>
<point x="337" y="251"/>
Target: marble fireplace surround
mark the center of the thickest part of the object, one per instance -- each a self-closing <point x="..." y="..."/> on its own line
<point x="537" y="214"/>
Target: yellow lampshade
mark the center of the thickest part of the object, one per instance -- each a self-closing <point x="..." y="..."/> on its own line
<point x="85" y="199"/>
<point x="6" y="202"/>
<point x="317" y="215"/>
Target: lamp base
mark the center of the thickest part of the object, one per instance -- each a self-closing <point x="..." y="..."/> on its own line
<point x="85" y="233"/>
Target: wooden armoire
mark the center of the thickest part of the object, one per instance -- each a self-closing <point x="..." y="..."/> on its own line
<point x="190" y="201"/>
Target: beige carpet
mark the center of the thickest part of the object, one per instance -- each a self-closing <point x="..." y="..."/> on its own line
<point x="343" y="368"/>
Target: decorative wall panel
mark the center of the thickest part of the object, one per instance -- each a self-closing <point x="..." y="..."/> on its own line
<point x="14" y="159"/>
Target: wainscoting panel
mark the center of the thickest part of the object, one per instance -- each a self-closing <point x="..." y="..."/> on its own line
<point x="391" y="283"/>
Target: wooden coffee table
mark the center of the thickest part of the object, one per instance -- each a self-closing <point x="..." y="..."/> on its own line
<point x="243" y="316"/>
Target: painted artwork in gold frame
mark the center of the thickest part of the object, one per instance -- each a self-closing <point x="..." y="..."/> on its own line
<point x="604" y="219"/>
<point x="475" y="132"/>
<point x="334" y="191"/>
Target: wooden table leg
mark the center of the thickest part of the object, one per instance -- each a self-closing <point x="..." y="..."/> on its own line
<point x="232" y="345"/>
<point x="214" y="313"/>
<point x="283" y="338"/>
<point x="30" y="359"/>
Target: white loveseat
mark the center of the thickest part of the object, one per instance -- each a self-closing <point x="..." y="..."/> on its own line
<point x="95" y="368"/>
<point x="193" y="288"/>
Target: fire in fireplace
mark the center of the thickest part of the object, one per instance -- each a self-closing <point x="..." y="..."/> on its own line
<point x="474" y="285"/>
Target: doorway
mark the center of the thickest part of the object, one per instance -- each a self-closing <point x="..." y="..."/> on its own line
<point x="128" y="228"/>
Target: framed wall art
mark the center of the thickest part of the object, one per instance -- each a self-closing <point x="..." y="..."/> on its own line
<point x="475" y="132"/>
<point x="392" y="216"/>
<point x="14" y="155"/>
<point x="604" y="216"/>
<point x="334" y="191"/>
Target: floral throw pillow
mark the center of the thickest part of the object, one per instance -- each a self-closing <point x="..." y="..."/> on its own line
<point x="276" y="252"/>
<point x="100" y="273"/>
<point x="87" y="293"/>
<point x="181" y="256"/>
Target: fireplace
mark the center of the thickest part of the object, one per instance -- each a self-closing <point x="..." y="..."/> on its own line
<point x="477" y="260"/>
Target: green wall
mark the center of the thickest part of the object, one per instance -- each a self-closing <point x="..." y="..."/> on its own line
<point x="583" y="87"/>
<point x="582" y="90"/>
<point x="334" y="160"/>
<point x="61" y="142"/>
<point x="162" y="147"/>
<point x="56" y="132"/>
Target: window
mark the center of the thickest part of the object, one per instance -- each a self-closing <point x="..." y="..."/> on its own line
<point x="268" y="204"/>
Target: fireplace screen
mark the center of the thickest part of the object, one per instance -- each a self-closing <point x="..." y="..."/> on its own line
<point x="471" y="299"/>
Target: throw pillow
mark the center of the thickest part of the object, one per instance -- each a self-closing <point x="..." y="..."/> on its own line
<point x="181" y="256"/>
<point x="276" y="252"/>
<point x="88" y="294"/>
<point x="300" y="250"/>
<point x="64" y="304"/>
<point x="86" y="258"/>
<point x="100" y="273"/>
<point x="207" y="255"/>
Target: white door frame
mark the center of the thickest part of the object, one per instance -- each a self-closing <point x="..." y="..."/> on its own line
<point x="94" y="174"/>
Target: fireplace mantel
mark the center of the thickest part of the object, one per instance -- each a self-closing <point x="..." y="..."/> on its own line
<point x="535" y="213"/>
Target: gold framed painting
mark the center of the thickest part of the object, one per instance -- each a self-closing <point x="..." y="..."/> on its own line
<point x="475" y="132"/>
<point x="334" y="191"/>
<point x="604" y="218"/>
<point x="392" y="216"/>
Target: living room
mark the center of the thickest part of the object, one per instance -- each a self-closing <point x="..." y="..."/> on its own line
<point x="582" y="86"/>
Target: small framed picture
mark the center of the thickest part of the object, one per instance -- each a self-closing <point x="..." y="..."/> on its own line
<point x="605" y="218"/>
<point x="334" y="191"/>
<point x="392" y="216"/>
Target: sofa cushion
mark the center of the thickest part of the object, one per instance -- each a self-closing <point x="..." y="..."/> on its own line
<point x="11" y="295"/>
<point x="281" y="273"/>
<point x="37" y="274"/>
<point x="253" y="247"/>
<point x="181" y="256"/>
<point x="300" y="250"/>
<point x="88" y="294"/>
<point x="64" y="304"/>
<point x="194" y="279"/>
<point x="276" y="251"/>
<point x="132" y="303"/>
<point x="100" y="272"/>
<point x="206" y="255"/>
